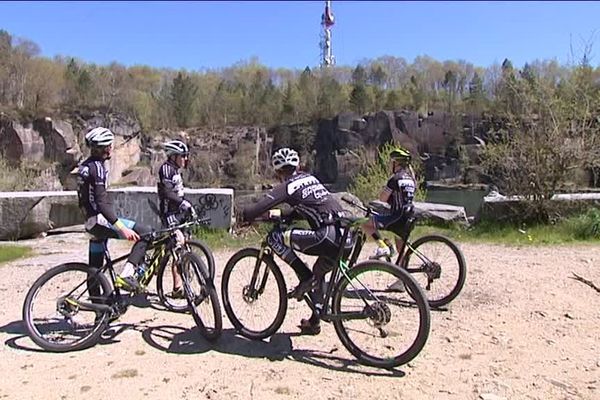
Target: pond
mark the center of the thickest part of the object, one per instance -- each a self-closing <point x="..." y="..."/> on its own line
<point x="470" y="199"/>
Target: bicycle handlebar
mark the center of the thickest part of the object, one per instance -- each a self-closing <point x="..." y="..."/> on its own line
<point x="155" y="234"/>
<point x="368" y="210"/>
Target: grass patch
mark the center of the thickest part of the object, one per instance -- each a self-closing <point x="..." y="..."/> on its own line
<point x="222" y="239"/>
<point x="581" y="229"/>
<point x="11" y="252"/>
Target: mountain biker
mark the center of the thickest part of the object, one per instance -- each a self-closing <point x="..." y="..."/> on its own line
<point x="174" y="208"/>
<point x="313" y="202"/>
<point x="399" y="193"/>
<point x="101" y="220"/>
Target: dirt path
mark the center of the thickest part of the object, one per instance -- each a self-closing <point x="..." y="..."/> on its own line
<point x="521" y="329"/>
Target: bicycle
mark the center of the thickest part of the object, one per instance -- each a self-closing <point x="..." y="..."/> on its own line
<point x="368" y="306"/>
<point x="192" y="245"/>
<point x="440" y="286"/>
<point x="82" y="311"/>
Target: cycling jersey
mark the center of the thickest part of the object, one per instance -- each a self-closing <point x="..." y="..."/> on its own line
<point x="92" y="179"/>
<point x="313" y="202"/>
<point x="401" y="187"/>
<point x="170" y="189"/>
<point x="92" y="182"/>
<point x="306" y="194"/>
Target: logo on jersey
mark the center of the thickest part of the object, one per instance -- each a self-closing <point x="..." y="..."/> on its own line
<point x="301" y="183"/>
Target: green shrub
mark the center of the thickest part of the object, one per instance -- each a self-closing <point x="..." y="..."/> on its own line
<point x="14" y="179"/>
<point x="587" y="225"/>
<point x="367" y="184"/>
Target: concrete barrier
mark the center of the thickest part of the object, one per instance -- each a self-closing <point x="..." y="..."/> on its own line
<point x="27" y="214"/>
<point x="498" y="207"/>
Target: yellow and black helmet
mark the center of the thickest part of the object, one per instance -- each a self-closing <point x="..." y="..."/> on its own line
<point x="400" y="154"/>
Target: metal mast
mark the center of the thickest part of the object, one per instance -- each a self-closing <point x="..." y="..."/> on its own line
<point x="327" y="21"/>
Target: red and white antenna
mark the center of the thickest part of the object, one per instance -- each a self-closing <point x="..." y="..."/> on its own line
<point x="327" y="21"/>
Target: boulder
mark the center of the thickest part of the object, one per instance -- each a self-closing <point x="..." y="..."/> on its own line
<point x="60" y="142"/>
<point x="20" y="143"/>
<point x="126" y="154"/>
<point x="352" y="210"/>
<point x="138" y="176"/>
<point x="441" y="213"/>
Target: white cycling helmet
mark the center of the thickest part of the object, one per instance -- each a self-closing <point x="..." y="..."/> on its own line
<point x="176" y="147"/>
<point x="285" y="157"/>
<point x="99" y="137"/>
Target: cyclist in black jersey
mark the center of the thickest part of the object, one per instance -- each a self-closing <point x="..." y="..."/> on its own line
<point x="311" y="201"/>
<point x="101" y="220"/>
<point x="399" y="194"/>
<point x="174" y="208"/>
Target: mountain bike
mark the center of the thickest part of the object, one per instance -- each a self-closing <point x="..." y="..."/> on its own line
<point x="435" y="261"/>
<point x="196" y="246"/>
<point x="380" y="326"/>
<point x="69" y="306"/>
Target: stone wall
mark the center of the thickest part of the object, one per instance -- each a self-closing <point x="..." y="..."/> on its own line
<point x="497" y="207"/>
<point x="28" y="214"/>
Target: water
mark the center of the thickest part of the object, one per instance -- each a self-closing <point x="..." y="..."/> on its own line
<point x="470" y="199"/>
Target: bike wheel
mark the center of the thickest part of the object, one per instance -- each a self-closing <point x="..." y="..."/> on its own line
<point x="202" y="296"/>
<point x="439" y="267"/>
<point x="164" y="280"/>
<point x="379" y="325"/>
<point x="203" y="251"/>
<point x="255" y="312"/>
<point x="54" y="313"/>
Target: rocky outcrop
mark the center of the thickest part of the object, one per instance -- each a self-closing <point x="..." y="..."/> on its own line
<point x="339" y="139"/>
<point x="138" y="176"/>
<point x="60" y="142"/>
<point x="20" y="143"/>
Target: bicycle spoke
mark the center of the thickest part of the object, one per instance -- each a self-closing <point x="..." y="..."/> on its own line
<point x="391" y="319"/>
<point x="437" y="269"/>
<point x="59" y="317"/>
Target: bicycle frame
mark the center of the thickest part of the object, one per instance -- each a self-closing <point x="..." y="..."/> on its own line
<point x="160" y="241"/>
<point x="344" y="264"/>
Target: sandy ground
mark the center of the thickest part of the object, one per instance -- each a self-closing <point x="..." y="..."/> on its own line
<point x="521" y="329"/>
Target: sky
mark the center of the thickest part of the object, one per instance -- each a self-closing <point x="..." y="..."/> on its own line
<point x="199" y="35"/>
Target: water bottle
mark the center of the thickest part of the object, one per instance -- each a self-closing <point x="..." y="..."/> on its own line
<point x="141" y="269"/>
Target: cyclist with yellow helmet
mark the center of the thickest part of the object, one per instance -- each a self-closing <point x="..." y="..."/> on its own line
<point x="398" y="193"/>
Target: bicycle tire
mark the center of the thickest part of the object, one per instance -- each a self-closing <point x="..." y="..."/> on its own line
<point x="98" y="327"/>
<point x="160" y="276"/>
<point x="226" y="295"/>
<point x="207" y="252"/>
<point x="207" y="291"/>
<point x="424" y="322"/>
<point x="457" y="286"/>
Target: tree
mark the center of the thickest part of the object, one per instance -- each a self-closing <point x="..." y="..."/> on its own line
<point x="377" y="76"/>
<point x="79" y="84"/>
<point x="450" y="81"/>
<point x="392" y="101"/>
<point x="359" y="76"/>
<point x="476" y="97"/>
<point x="308" y="88"/>
<point x="183" y="93"/>
<point x="359" y="98"/>
<point x="547" y="135"/>
<point x="332" y="98"/>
